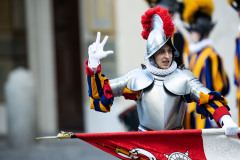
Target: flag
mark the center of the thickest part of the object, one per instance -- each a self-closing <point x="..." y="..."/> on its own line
<point x="195" y="144"/>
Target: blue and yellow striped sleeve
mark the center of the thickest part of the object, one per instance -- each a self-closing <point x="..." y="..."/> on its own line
<point x="99" y="90"/>
<point x="212" y="105"/>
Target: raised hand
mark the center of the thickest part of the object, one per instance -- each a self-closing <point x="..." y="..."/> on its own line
<point x="96" y="52"/>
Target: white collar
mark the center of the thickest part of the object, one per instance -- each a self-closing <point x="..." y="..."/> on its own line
<point x="196" y="47"/>
<point x="161" y="72"/>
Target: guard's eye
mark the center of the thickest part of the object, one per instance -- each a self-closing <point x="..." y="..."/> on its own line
<point x="162" y="51"/>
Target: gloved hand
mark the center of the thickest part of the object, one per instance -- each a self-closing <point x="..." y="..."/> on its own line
<point x="96" y="53"/>
<point x="228" y="125"/>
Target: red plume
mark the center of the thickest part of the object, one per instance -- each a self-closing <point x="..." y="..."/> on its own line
<point x="146" y="21"/>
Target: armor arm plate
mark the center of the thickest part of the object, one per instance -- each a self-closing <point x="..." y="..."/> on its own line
<point x="195" y="88"/>
<point x="117" y="85"/>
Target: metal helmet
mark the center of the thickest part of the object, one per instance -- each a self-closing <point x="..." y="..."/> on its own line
<point x="157" y="30"/>
<point x="235" y="4"/>
<point x="203" y="24"/>
<point x="152" y="3"/>
<point x="171" y="5"/>
<point x="157" y="38"/>
<point x="198" y="13"/>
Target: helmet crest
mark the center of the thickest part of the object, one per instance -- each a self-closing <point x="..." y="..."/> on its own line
<point x="146" y="21"/>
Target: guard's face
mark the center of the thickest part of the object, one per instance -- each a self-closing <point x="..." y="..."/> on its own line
<point x="195" y="36"/>
<point x="163" y="57"/>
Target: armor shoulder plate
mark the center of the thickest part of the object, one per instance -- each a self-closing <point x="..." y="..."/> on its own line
<point x="139" y="79"/>
<point x="179" y="81"/>
<point x="134" y="80"/>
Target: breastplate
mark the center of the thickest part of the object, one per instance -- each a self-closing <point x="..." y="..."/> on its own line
<point x="158" y="109"/>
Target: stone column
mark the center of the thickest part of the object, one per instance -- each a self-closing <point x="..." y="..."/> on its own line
<point x="41" y="61"/>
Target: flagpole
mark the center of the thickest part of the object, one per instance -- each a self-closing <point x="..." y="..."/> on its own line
<point x="60" y="136"/>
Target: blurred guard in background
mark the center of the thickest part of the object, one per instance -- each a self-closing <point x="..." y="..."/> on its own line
<point x="236" y="5"/>
<point x="204" y="62"/>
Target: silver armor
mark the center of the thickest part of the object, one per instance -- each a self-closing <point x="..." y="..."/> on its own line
<point x="161" y="104"/>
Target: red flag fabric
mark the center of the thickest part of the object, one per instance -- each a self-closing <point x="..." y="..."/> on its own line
<point x="166" y="145"/>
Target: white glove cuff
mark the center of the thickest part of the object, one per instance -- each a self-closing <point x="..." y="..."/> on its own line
<point x="93" y="64"/>
<point x="224" y="118"/>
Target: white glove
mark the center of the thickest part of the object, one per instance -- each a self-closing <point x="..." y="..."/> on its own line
<point x="96" y="53"/>
<point x="228" y="125"/>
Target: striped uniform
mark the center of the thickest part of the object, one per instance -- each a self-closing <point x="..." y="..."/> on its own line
<point x="208" y="67"/>
<point x="237" y="75"/>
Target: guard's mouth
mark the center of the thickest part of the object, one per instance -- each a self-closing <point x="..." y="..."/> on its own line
<point x="166" y="62"/>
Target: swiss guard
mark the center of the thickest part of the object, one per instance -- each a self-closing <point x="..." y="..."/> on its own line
<point x="159" y="88"/>
<point x="236" y="5"/>
<point x="205" y="63"/>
